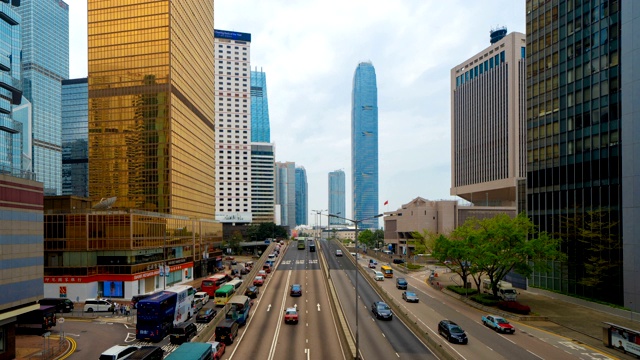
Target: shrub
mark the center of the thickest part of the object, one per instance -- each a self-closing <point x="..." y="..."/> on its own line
<point x="414" y="266"/>
<point x="485" y="299"/>
<point x="515" y="307"/>
<point x="462" y="291"/>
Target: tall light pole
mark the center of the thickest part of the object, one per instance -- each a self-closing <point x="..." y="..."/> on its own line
<point x="356" y="222"/>
<point x="319" y="221"/>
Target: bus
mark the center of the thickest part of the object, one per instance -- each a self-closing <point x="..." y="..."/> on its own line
<point x="239" y="310"/>
<point x="213" y="283"/>
<point x="43" y="318"/>
<point x="235" y="283"/>
<point x="156" y="316"/>
<point x="387" y="271"/>
<point x="301" y="244"/>
<point x="184" y="306"/>
<point x="224" y="294"/>
<point x="192" y="351"/>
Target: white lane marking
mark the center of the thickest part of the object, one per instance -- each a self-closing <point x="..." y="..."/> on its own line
<point x="532" y="353"/>
<point x="268" y="307"/>
<point x="274" y="342"/>
<point x="318" y="306"/>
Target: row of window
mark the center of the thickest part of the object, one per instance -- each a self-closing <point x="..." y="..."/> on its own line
<point x="478" y="70"/>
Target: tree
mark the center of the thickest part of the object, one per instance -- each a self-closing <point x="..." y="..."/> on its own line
<point x="366" y="237"/>
<point x="234" y="242"/>
<point x="424" y="242"/>
<point x="456" y="251"/>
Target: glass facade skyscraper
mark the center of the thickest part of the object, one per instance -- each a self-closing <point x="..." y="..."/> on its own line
<point x="45" y="63"/>
<point x="260" y="128"/>
<point x="574" y="162"/>
<point x="364" y="145"/>
<point x="75" y="136"/>
<point x="337" y="200"/>
<point x="302" y="197"/>
<point x="151" y="105"/>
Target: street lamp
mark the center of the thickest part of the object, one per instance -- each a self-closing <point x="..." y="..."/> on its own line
<point x="356" y="222"/>
<point x="319" y="222"/>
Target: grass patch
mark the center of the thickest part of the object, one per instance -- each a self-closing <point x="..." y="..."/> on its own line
<point x="461" y="291"/>
<point x="414" y="266"/>
<point x="485" y="299"/>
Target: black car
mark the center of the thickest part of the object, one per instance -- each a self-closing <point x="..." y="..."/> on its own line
<point x="381" y="310"/>
<point x="401" y="283"/>
<point x="252" y="292"/>
<point x="205" y="315"/>
<point x="296" y="290"/>
<point x="183" y="333"/>
<point x="398" y="261"/>
<point x="452" y="331"/>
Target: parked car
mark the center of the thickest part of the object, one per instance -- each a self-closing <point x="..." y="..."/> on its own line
<point x="258" y="281"/>
<point x="379" y="276"/>
<point x="205" y="315"/>
<point x="498" y="324"/>
<point x="182" y="333"/>
<point x="91" y="305"/>
<point x="291" y="316"/>
<point x="381" y="310"/>
<point x="338" y="252"/>
<point x="217" y="348"/>
<point x="452" y="332"/>
<point x="410" y="296"/>
<point x="118" y="352"/>
<point x="201" y="296"/>
<point x="252" y="292"/>
<point x="61" y="304"/>
<point x="296" y="290"/>
<point x="401" y="283"/>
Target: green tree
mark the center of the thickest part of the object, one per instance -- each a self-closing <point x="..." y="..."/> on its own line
<point x="367" y="238"/>
<point x="234" y="242"/>
<point x="424" y="242"/>
<point x="456" y="251"/>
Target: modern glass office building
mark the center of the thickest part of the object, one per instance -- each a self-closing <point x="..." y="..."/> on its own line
<point x="302" y="197"/>
<point x="337" y="200"/>
<point x="364" y="145"/>
<point x="75" y="150"/>
<point x="286" y="193"/>
<point x="260" y="128"/>
<point x="45" y="63"/>
<point x="574" y="157"/>
<point x="151" y="105"/>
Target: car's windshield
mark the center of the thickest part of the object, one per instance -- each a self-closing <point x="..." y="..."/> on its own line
<point x="455" y="329"/>
<point x="291" y="312"/>
<point x="501" y="321"/>
<point x="383" y="306"/>
<point x="410" y="294"/>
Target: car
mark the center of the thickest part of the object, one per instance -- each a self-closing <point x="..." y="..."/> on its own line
<point x="372" y="264"/>
<point x="205" y="315"/>
<point x="338" y="252"/>
<point x="498" y="324"/>
<point x="217" y="348"/>
<point x="182" y="333"/>
<point x="398" y="261"/>
<point x="196" y="305"/>
<point x="381" y="310"/>
<point x="91" y="305"/>
<point x="118" y="352"/>
<point x="61" y="304"/>
<point x="252" y="292"/>
<point x="296" y="290"/>
<point x="258" y="281"/>
<point x="388" y="252"/>
<point x="291" y="315"/>
<point x="262" y="273"/>
<point x="410" y="296"/>
<point x="202" y="296"/>
<point x="452" y="332"/>
<point x="266" y="267"/>
<point x="401" y="283"/>
<point x="379" y="276"/>
<point x="354" y="254"/>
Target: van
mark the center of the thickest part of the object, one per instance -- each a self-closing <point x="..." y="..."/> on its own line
<point x="372" y="264"/>
<point x="118" y="352"/>
<point x="226" y="331"/>
<point x="182" y="333"/>
<point x="61" y="304"/>
<point x="147" y="353"/>
<point x="91" y="305"/>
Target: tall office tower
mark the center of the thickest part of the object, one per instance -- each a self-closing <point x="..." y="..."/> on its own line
<point x="260" y="129"/>
<point x="151" y="105"/>
<point x="488" y="127"/>
<point x="337" y="203"/>
<point x="574" y="157"/>
<point x="75" y="137"/>
<point x="233" y="125"/>
<point x="302" y="197"/>
<point x="364" y="145"/>
<point x="630" y="81"/>
<point x="263" y="182"/>
<point x="45" y="63"/>
<point x="286" y="193"/>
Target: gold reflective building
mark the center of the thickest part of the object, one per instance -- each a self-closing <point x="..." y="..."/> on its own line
<point x="151" y="105"/>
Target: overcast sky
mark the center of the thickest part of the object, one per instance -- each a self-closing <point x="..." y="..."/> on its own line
<point x="309" y="51"/>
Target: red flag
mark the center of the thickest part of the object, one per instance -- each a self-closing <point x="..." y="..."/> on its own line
<point x="386" y="202"/>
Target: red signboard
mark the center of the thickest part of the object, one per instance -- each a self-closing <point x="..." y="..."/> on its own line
<point x="110" y="277"/>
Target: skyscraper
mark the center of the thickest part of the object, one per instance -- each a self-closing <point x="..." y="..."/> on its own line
<point x="263" y="182"/>
<point x="302" y="197"/>
<point x="260" y="129"/>
<point x="337" y="203"/>
<point x="286" y="193"/>
<point x="151" y="105"/>
<point x="488" y="139"/>
<point x="45" y="63"/>
<point x="75" y="135"/>
<point x="574" y="156"/>
<point x="233" y="126"/>
<point x="364" y="145"/>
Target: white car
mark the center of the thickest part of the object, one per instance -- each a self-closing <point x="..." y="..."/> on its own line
<point x="378" y="276"/>
<point x="202" y="296"/>
<point x="338" y="252"/>
<point x="91" y="305"/>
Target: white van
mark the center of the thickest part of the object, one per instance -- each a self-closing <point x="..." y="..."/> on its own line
<point x="118" y="352"/>
<point x="91" y="305"/>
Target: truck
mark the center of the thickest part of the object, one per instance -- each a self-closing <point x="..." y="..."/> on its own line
<point x="506" y="291"/>
<point x="43" y="318"/>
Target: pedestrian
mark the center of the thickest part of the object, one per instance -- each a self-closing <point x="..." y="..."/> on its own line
<point x="117" y="305"/>
<point x="112" y="308"/>
<point x="127" y="310"/>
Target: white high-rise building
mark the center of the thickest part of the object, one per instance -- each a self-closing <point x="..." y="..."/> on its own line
<point x="263" y="182"/>
<point x="233" y="126"/>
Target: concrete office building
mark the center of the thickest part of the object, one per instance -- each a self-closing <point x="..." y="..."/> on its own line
<point x="233" y="126"/>
<point x="488" y="131"/>
<point x="364" y="146"/>
<point x="263" y="182"/>
<point x="45" y="63"/>
<point x="75" y="137"/>
<point x="575" y="161"/>
<point x="286" y="193"/>
<point x="337" y="199"/>
<point x="302" y="197"/>
<point x="260" y="127"/>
